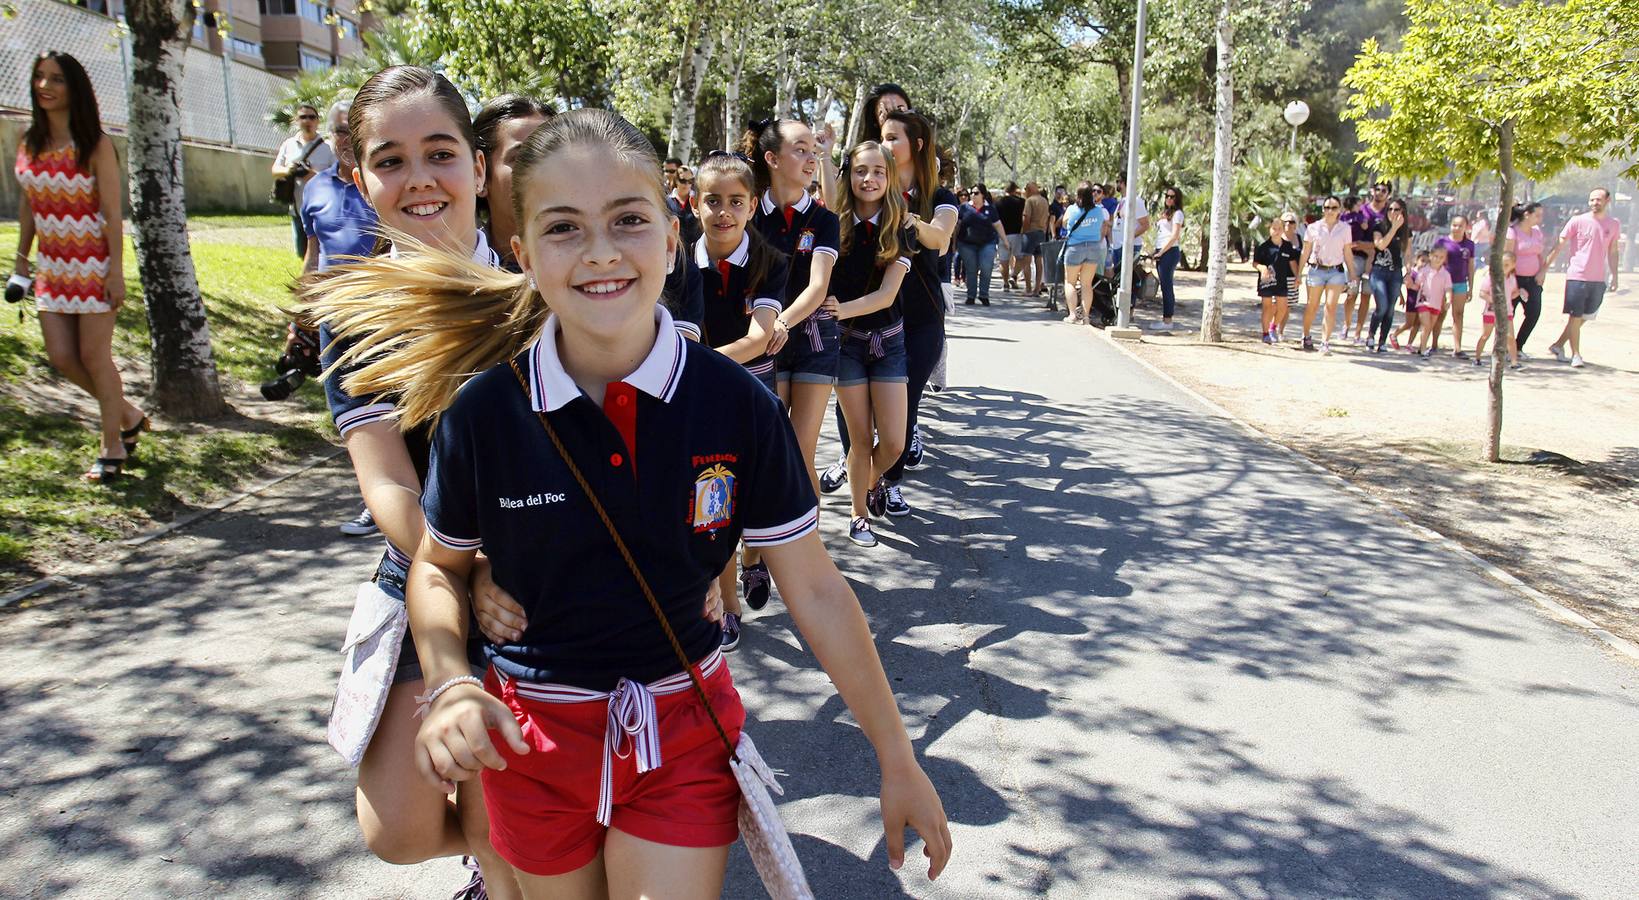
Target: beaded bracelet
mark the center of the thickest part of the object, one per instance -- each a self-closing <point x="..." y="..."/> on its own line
<point x="424" y="702"/>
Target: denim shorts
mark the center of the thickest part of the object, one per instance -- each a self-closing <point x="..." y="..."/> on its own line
<point x="1033" y="241"/>
<point x="390" y="576"/>
<point x="856" y="364"/>
<point x="810" y="354"/>
<point x="763" y="367"/>
<point x="1084" y="254"/>
<point x="1320" y="276"/>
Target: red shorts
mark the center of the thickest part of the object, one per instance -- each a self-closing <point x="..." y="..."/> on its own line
<point x="543" y="805"/>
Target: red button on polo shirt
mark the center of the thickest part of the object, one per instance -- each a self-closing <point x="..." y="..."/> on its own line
<point x="620" y="405"/>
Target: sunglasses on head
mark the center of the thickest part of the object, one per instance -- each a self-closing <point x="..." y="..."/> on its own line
<point x="685" y="181"/>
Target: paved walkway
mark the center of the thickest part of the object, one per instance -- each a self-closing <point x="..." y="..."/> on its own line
<point x="1142" y="654"/>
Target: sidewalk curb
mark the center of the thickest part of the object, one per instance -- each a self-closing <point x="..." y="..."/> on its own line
<point x="50" y="581"/>
<point x="1491" y="570"/>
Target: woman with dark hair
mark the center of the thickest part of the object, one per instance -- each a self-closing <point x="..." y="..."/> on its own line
<point x="70" y="181"/>
<point x="883" y="99"/>
<point x="978" y="231"/>
<point x="1526" y="242"/>
<point x="1169" y="230"/>
<point x="501" y="127"/>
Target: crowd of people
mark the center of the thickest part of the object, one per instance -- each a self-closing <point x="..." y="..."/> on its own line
<point x="583" y="389"/>
<point x="1357" y="267"/>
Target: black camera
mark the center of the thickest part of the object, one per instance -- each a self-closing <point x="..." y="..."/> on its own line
<point x="298" y="362"/>
<point x="17" y="288"/>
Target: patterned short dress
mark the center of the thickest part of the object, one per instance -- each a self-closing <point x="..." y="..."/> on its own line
<point x="73" y="253"/>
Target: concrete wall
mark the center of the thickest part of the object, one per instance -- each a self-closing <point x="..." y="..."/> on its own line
<point x="216" y="179"/>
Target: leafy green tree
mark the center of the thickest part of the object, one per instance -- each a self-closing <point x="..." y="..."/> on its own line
<point x="1488" y="87"/>
<point x="550" y="48"/>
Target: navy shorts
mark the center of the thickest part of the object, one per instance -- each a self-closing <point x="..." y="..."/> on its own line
<point x="810" y="354"/>
<point x="763" y="368"/>
<point x="857" y="364"/>
<point x="1033" y="241"/>
<point x="1583" y="298"/>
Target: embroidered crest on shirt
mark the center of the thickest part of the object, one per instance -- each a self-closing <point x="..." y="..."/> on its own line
<point x="713" y="504"/>
<point x="805" y="243"/>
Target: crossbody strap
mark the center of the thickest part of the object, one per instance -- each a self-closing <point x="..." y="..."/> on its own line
<point x="631" y="563"/>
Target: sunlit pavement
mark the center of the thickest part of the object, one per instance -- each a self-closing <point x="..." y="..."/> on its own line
<point x="1142" y="655"/>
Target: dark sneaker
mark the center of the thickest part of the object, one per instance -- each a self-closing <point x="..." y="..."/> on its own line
<point x="1308" y="344"/>
<point x="361" y="525"/>
<point x="859" y="531"/>
<point x="731" y="632"/>
<point x="876" y="499"/>
<point x="913" y="456"/>
<point x="1459" y="354"/>
<point x="984" y="301"/>
<point x="755" y="584"/>
<point x="834" y="477"/>
<point x="474" y="888"/>
<point x="896" y="505"/>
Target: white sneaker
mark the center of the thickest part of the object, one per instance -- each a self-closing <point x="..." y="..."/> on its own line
<point x="1558" y="352"/>
<point x="1576" y="361"/>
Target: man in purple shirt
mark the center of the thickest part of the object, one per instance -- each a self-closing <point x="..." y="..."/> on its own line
<point x="1460" y="264"/>
<point x="1589" y="241"/>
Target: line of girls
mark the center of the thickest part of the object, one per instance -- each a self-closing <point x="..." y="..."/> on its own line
<point x="535" y="660"/>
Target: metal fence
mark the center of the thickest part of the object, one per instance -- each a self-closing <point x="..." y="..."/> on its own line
<point x="224" y="102"/>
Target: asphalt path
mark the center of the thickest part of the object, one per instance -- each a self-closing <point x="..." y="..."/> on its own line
<point x="1141" y="653"/>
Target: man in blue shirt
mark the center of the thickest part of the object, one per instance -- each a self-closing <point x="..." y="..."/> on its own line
<point x="339" y="223"/>
<point x="338" y="220"/>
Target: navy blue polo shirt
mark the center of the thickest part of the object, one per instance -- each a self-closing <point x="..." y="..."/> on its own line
<point x="799" y="231"/>
<point x="689" y="455"/>
<point x="685" y="298"/>
<point x="334" y="212"/>
<point x="857" y="274"/>
<point x="922" y="297"/>
<point x="350" y="412"/>
<point x="731" y="298"/>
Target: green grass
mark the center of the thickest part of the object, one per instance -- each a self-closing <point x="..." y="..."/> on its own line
<point x="49" y="513"/>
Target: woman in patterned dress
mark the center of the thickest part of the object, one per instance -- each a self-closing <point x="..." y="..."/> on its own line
<point x="71" y="202"/>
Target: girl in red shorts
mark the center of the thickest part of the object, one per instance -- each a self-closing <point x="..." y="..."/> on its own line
<point x="602" y="771"/>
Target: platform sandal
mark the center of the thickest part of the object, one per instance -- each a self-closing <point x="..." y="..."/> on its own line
<point x="129" y="436"/>
<point x="104" y="470"/>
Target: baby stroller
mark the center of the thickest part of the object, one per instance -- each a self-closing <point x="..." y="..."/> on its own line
<point x="1052" y="260"/>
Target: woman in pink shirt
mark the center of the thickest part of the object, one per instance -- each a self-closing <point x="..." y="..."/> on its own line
<point x="1526" y="242"/>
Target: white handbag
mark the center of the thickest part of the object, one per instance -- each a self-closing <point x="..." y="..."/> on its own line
<point x="375" y="634"/>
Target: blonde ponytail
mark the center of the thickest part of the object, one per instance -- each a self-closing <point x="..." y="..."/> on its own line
<point x="422" y="323"/>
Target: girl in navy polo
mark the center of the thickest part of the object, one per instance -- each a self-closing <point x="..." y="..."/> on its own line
<point x="417" y="165"/>
<point x="922" y="297"/>
<point x="744" y="285"/>
<point x="688" y="453"/>
<point x="783" y="160"/>
<point x="871" y="364"/>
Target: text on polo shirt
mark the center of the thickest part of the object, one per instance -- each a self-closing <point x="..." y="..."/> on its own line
<point x="532" y="500"/>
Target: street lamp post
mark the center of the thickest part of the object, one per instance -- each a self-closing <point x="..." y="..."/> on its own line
<point x="1124" y="297"/>
<point x="1297" y="112"/>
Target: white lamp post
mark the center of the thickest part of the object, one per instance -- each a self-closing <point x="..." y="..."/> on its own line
<point x="1297" y="112"/>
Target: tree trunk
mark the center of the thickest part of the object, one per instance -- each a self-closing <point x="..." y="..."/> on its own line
<point x="1212" y="312"/>
<point x="856" y="116"/>
<point x="691" y="70"/>
<point x="732" y="121"/>
<point x="185" y="382"/>
<point x="1498" y="299"/>
<point x="1123" y="86"/>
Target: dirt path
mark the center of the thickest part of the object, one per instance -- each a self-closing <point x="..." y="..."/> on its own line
<point x="1561" y="513"/>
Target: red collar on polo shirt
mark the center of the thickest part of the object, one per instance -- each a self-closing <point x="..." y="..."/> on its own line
<point x="550" y="387"/>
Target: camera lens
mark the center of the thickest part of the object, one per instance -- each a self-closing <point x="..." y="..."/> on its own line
<point x="282" y="387"/>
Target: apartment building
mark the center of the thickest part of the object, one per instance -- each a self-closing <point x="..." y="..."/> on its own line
<point x="282" y="36"/>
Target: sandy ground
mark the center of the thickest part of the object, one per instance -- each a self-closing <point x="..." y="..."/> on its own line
<point x="1411" y="432"/>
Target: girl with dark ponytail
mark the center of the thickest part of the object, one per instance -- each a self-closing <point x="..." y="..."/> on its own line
<point x="784" y="162"/>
